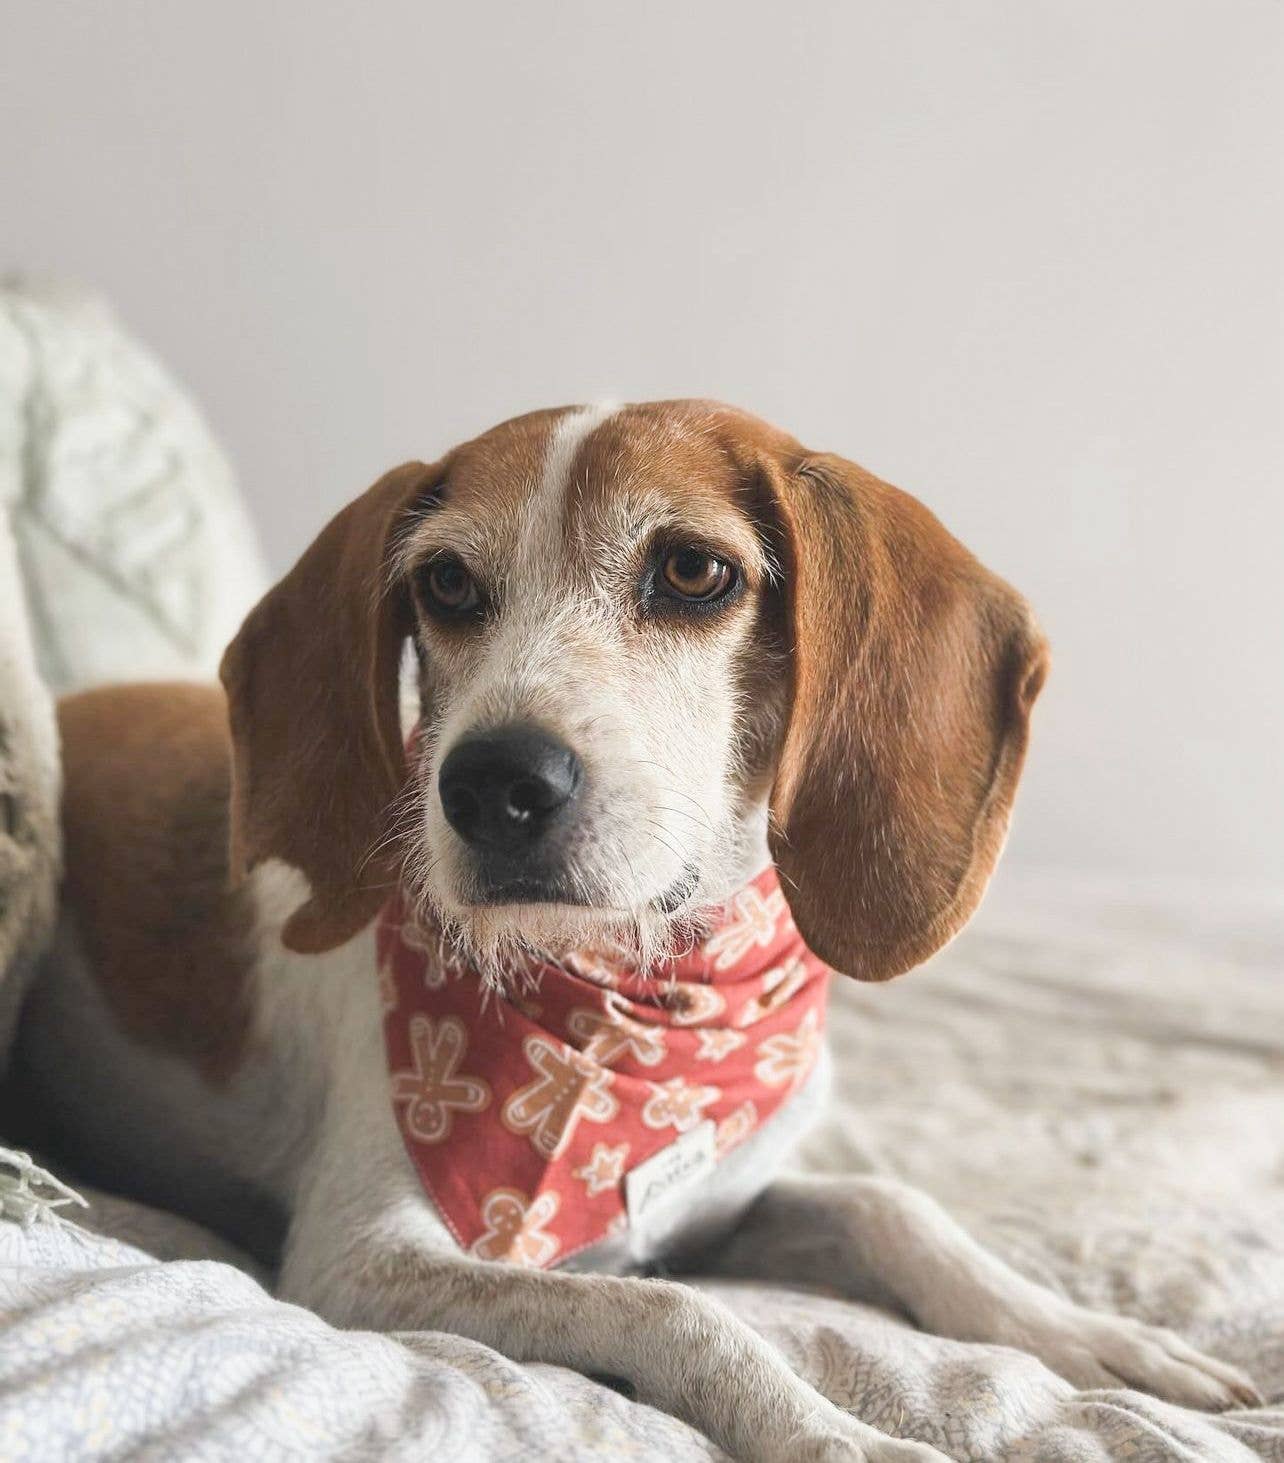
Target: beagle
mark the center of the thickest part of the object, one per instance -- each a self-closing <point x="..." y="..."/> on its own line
<point x="474" y="1017"/>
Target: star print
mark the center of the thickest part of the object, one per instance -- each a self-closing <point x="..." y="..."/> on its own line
<point x="677" y="1104"/>
<point x="717" y="1043"/>
<point x="605" y="1168"/>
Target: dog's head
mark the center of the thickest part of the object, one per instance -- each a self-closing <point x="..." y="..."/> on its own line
<point x="652" y="641"/>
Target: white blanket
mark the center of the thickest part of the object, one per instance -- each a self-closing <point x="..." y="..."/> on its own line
<point x="1092" y="1080"/>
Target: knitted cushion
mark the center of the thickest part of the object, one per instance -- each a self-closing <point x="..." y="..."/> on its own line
<point x="137" y="555"/>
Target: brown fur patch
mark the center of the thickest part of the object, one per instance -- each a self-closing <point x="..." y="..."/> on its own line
<point x="498" y="471"/>
<point x="147" y="771"/>
<point x="311" y="680"/>
<point x="697" y="456"/>
<point x="914" y="672"/>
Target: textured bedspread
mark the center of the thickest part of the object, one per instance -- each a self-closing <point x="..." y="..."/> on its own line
<point x="1093" y="1081"/>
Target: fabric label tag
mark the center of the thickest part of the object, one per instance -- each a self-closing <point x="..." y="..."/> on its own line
<point x="671" y="1171"/>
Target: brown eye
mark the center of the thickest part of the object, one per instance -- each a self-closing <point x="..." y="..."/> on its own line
<point x="693" y="574"/>
<point x="449" y="588"/>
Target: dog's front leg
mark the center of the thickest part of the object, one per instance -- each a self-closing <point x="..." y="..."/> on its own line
<point x="365" y="1250"/>
<point x="883" y="1241"/>
<point x="680" y="1350"/>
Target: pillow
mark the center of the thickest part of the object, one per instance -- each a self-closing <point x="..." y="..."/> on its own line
<point x="137" y="555"/>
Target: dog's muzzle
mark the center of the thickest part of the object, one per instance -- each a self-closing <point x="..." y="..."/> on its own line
<point x="510" y="794"/>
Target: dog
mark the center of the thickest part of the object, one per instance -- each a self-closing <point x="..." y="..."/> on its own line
<point x="665" y="658"/>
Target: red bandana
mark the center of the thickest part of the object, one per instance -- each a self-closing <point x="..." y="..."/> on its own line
<point x="531" y="1116"/>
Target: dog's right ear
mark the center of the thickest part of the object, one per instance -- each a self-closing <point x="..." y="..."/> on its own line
<point x="311" y="679"/>
<point x="914" y="670"/>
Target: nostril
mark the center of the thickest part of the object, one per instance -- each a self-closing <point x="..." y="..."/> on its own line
<point x="530" y="795"/>
<point x="460" y="804"/>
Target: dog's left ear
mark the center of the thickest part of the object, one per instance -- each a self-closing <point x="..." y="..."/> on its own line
<point x="913" y="673"/>
<point x="311" y="679"/>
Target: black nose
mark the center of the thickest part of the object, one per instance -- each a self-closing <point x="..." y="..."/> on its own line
<point x="503" y="790"/>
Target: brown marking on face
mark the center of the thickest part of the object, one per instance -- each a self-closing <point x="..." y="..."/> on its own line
<point x="482" y="498"/>
<point x="496" y="472"/>
<point x="673" y="458"/>
<point x="146" y="773"/>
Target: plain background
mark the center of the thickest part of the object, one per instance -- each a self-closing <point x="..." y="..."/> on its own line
<point x="1022" y="258"/>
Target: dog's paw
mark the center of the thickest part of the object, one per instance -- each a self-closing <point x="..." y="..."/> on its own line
<point x="1093" y="1349"/>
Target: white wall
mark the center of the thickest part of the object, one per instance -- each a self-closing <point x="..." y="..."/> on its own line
<point x="1022" y="258"/>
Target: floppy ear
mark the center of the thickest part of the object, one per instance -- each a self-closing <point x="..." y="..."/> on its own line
<point x="311" y="679"/>
<point x="913" y="673"/>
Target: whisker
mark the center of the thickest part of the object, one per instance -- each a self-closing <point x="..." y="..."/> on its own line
<point x="701" y="821"/>
<point x="664" y="843"/>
